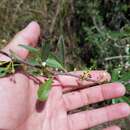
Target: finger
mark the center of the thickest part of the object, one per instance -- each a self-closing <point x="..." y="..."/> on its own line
<point x="113" y="128"/>
<point x="76" y="99"/>
<point x="28" y="36"/>
<point x="70" y="82"/>
<point x="88" y="119"/>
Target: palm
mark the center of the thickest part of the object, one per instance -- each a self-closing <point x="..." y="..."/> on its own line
<point x="13" y="97"/>
<point x="19" y="108"/>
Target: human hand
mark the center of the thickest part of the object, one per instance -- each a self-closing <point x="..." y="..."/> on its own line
<point x="18" y="100"/>
<point x="55" y="114"/>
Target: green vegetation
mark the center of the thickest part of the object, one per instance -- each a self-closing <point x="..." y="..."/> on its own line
<point x="96" y="33"/>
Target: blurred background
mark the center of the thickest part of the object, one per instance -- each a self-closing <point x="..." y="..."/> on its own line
<point x="96" y="34"/>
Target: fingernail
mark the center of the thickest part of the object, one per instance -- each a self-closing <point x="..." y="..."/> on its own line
<point x="125" y="109"/>
<point x="119" y="88"/>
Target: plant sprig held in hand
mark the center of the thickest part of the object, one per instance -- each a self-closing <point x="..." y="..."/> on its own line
<point x="42" y="62"/>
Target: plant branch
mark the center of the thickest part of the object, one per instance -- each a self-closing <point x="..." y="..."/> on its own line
<point x="55" y="18"/>
<point x="54" y="73"/>
<point x="36" y="11"/>
<point x="20" y="60"/>
<point x="96" y="26"/>
<point x="76" y="76"/>
<point x="6" y="54"/>
<point x="116" y="57"/>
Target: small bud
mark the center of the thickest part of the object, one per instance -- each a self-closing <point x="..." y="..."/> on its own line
<point x="56" y="69"/>
<point x="75" y="69"/>
<point x="4" y="41"/>
<point x="13" y="71"/>
<point x="41" y="74"/>
<point x="43" y="64"/>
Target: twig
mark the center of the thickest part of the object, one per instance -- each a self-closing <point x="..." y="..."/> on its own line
<point x="6" y="54"/>
<point x="96" y="26"/>
<point x="76" y="76"/>
<point x="55" y="18"/>
<point x="32" y="77"/>
<point x="36" y="11"/>
<point x="116" y="57"/>
<point x="54" y="73"/>
<point x="20" y="60"/>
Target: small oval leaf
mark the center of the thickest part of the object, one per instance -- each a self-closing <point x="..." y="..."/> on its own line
<point x="3" y="72"/>
<point x="29" y="48"/>
<point x="53" y="62"/>
<point x="44" y="90"/>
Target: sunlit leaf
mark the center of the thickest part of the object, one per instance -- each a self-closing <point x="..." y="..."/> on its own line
<point x="114" y="101"/>
<point x="44" y="90"/>
<point x="53" y="62"/>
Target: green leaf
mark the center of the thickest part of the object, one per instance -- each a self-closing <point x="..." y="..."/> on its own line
<point x="114" y="101"/>
<point x="44" y="90"/>
<point x="122" y="99"/>
<point x="117" y="100"/>
<point x="116" y="35"/>
<point x="3" y="72"/>
<point x="53" y="62"/>
<point x="15" y="56"/>
<point x="45" y="51"/>
<point x="127" y="85"/>
<point x="29" y="48"/>
<point x="115" y="75"/>
<point x="61" y="48"/>
<point x="126" y="99"/>
<point x="33" y="61"/>
<point x="125" y="76"/>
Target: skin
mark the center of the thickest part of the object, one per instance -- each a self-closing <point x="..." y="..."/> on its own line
<point x="20" y="110"/>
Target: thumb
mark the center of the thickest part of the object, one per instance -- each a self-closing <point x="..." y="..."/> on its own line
<point x="28" y="36"/>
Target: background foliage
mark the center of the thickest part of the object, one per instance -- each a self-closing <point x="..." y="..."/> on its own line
<point x="96" y="33"/>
